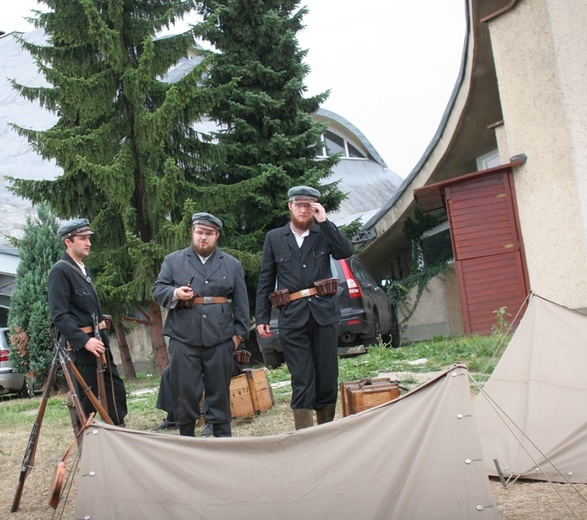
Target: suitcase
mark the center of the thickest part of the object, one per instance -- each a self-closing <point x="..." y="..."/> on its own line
<point x="360" y="395"/>
<point x="250" y="393"/>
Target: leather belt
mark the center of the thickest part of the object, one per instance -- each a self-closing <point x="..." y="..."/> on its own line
<point x="209" y="299"/>
<point x="304" y="293"/>
<point x="89" y="329"/>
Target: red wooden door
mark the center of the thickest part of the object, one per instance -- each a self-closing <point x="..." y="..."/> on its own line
<point x="488" y="250"/>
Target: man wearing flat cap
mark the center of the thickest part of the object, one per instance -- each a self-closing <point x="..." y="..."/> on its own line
<point x="73" y="303"/>
<point x="204" y="289"/>
<point x="296" y="261"/>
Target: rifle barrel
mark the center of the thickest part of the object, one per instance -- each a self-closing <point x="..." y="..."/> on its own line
<point x="29" y="457"/>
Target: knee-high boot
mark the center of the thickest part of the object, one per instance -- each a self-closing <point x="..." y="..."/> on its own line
<point x="303" y="418"/>
<point x="325" y="414"/>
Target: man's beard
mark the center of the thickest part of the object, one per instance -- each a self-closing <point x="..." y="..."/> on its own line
<point x="204" y="250"/>
<point x="303" y="225"/>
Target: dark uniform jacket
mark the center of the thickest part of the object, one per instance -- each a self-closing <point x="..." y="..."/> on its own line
<point x="209" y="324"/>
<point x="72" y="301"/>
<point x="298" y="268"/>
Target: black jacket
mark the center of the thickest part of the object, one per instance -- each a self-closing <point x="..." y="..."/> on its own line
<point x="285" y="265"/>
<point x="72" y="302"/>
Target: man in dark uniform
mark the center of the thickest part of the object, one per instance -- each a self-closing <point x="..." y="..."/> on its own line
<point x="294" y="257"/>
<point x="73" y="303"/>
<point x="204" y="289"/>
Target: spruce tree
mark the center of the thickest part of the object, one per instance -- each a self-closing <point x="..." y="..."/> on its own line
<point x="125" y="140"/>
<point x="268" y="132"/>
<point x="29" y="317"/>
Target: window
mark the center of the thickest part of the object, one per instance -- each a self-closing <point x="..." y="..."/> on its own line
<point x="334" y="144"/>
<point x="488" y="160"/>
<point x="437" y="244"/>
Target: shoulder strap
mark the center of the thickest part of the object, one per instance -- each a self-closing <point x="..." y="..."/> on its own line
<point x="77" y="269"/>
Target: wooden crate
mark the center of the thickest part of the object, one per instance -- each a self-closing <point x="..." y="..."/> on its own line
<point x="360" y="395"/>
<point x="250" y="393"/>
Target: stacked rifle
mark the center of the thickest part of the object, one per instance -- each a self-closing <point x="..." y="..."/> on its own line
<point x="78" y="417"/>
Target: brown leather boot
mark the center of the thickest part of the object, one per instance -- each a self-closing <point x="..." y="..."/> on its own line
<point x="325" y="414"/>
<point x="303" y="418"/>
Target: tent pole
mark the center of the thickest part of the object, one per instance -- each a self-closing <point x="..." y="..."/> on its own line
<point x="500" y="473"/>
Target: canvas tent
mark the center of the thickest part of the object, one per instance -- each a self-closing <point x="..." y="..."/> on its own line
<point x="532" y="412"/>
<point x="418" y="457"/>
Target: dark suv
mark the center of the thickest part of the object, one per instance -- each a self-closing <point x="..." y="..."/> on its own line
<point x="366" y="313"/>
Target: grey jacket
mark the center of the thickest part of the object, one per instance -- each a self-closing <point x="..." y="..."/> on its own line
<point x="204" y="325"/>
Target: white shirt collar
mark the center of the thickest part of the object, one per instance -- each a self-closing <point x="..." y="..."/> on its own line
<point x="299" y="238"/>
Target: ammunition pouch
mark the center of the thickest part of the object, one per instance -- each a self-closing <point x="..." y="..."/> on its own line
<point x="327" y="286"/>
<point x="242" y="356"/>
<point x="280" y="298"/>
<point x="185" y="304"/>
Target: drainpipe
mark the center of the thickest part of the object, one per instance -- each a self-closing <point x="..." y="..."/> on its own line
<point x="499" y="12"/>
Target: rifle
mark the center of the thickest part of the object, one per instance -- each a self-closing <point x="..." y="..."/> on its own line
<point x="76" y="410"/>
<point x="67" y="365"/>
<point x="100" y="367"/>
<point x="67" y="361"/>
<point x="29" y="456"/>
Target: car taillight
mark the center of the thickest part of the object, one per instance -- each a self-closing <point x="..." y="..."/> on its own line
<point x="4" y="355"/>
<point x="351" y="281"/>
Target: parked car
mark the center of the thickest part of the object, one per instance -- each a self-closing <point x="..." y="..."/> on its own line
<point x="366" y="314"/>
<point x="11" y="382"/>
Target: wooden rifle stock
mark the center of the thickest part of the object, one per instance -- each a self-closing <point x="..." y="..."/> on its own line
<point x="29" y="456"/>
<point x="66" y="359"/>
<point x="101" y="364"/>
<point x="76" y="410"/>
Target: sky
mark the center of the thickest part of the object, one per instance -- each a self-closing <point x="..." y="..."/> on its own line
<point x="390" y="65"/>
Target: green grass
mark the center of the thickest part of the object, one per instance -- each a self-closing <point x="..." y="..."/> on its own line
<point x="479" y="353"/>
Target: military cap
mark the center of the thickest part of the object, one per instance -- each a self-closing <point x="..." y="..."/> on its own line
<point x="206" y="220"/>
<point x="303" y="192"/>
<point x="75" y="227"/>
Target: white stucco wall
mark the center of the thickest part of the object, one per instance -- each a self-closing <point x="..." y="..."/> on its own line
<point x="540" y="50"/>
<point x="437" y="313"/>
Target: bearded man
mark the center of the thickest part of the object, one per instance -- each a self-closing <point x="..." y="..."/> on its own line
<point x="204" y="289"/>
<point x="294" y="258"/>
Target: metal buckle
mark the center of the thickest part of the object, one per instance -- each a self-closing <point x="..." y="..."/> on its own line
<point x="208" y="299"/>
<point x="305" y="293"/>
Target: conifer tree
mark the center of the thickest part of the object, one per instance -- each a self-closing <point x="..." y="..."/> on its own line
<point x="28" y="317"/>
<point x="267" y="131"/>
<point x="132" y="161"/>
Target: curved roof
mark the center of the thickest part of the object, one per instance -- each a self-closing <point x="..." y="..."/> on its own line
<point x="332" y="116"/>
<point x="463" y="134"/>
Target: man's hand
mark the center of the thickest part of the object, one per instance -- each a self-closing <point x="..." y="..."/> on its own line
<point x="185" y="292"/>
<point x="264" y="330"/>
<point x="95" y="346"/>
<point x="237" y="341"/>
<point x="318" y="211"/>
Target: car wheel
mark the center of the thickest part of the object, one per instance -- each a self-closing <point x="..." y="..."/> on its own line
<point x="373" y="339"/>
<point x="273" y="359"/>
<point x="395" y="337"/>
<point x="27" y="389"/>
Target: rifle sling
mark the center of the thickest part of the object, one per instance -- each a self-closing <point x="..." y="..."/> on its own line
<point x="77" y="269"/>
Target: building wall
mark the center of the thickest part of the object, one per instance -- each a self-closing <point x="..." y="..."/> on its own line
<point x="438" y="312"/>
<point x="540" y="51"/>
<point x="140" y="346"/>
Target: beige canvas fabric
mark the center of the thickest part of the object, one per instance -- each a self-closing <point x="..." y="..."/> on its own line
<point x="532" y="414"/>
<point x="418" y="457"/>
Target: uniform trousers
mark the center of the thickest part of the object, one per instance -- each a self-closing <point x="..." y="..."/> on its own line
<point x="194" y="369"/>
<point x="311" y="355"/>
<point x="113" y="384"/>
<point x="164" y="400"/>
